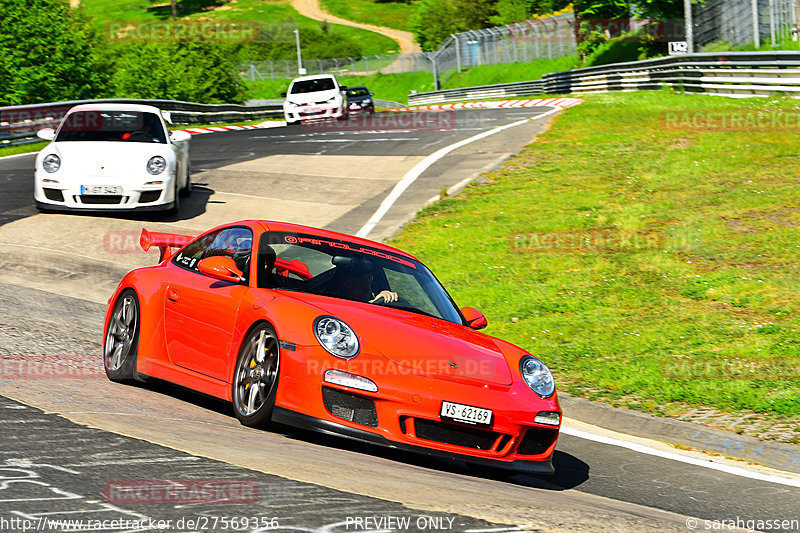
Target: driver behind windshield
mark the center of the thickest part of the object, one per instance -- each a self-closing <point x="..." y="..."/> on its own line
<point x="353" y="280"/>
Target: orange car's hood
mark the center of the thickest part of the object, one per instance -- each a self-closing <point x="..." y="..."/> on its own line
<point x="423" y="344"/>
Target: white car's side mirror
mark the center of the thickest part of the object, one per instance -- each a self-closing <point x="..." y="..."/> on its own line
<point x="48" y="134"/>
<point x="180" y="136"/>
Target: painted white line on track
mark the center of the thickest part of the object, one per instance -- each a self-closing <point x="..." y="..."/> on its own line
<point x="349" y="140"/>
<point x="412" y="175"/>
<point x="704" y="463"/>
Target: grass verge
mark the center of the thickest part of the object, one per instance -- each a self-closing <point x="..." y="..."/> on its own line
<point x="389" y="14"/>
<point x="22" y="148"/>
<point x="507" y="73"/>
<point x="650" y="260"/>
<point x="395" y="87"/>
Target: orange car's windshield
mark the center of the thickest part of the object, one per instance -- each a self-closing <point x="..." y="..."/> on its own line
<point x="351" y="271"/>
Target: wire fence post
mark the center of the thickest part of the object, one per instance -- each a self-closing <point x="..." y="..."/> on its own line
<point x="772" y="22"/>
<point x="458" y="52"/>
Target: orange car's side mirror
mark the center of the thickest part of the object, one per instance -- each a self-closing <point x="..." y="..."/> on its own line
<point x="221" y="268"/>
<point x="475" y="318"/>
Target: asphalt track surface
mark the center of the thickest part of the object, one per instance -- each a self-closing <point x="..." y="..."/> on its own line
<point x="54" y="459"/>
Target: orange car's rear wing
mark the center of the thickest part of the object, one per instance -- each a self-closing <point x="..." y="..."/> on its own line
<point x="164" y="241"/>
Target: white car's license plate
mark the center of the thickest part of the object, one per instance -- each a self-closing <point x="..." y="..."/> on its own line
<point x="101" y="189"/>
<point x="466" y="414"/>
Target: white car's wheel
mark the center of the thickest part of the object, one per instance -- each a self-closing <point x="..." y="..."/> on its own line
<point x="186" y="190"/>
<point x="176" y="204"/>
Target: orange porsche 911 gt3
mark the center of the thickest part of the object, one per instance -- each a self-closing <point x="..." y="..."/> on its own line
<point x="334" y="333"/>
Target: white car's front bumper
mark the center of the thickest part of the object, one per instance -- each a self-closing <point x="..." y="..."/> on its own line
<point x="65" y="194"/>
<point x="297" y="113"/>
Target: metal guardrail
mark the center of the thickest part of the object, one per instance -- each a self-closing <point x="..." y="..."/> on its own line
<point x="18" y="124"/>
<point x="503" y="90"/>
<point x="728" y="74"/>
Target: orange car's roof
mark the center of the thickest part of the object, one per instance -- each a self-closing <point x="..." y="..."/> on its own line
<point x="273" y="225"/>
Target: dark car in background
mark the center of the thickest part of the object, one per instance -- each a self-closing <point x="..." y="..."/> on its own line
<point x="359" y="100"/>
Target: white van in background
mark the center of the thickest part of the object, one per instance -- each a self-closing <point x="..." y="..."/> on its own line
<point x="314" y="97"/>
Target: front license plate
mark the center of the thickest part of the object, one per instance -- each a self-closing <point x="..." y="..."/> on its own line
<point x="466" y="414"/>
<point x="101" y="189"/>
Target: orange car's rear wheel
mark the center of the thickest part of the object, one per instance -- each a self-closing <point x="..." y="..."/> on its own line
<point x="122" y="339"/>
<point x="255" y="382"/>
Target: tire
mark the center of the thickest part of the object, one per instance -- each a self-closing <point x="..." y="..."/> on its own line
<point x="186" y="190"/>
<point x="122" y="340"/>
<point x="176" y="203"/>
<point x="255" y="379"/>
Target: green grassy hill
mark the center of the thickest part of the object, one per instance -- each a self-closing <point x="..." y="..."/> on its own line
<point x="276" y="16"/>
<point x="390" y="14"/>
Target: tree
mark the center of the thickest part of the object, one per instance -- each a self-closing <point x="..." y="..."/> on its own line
<point x="434" y="20"/>
<point x="190" y="71"/>
<point x="602" y="9"/>
<point x="48" y="52"/>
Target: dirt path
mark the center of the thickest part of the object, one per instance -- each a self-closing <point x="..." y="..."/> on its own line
<point x="312" y="9"/>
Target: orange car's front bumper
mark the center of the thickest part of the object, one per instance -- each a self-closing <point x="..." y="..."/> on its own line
<point x="404" y="413"/>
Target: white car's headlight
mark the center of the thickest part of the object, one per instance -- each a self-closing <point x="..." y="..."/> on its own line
<point x="537" y="376"/>
<point x="156" y="165"/>
<point x="336" y="337"/>
<point x="51" y="163"/>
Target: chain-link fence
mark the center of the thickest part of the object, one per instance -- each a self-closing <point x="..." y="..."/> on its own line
<point x="743" y="22"/>
<point x="549" y="37"/>
<point x="352" y="66"/>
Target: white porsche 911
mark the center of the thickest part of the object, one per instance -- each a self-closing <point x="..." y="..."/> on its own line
<point x="112" y="156"/>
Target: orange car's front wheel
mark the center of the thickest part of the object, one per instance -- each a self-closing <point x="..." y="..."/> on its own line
<point x="255" y="382"/>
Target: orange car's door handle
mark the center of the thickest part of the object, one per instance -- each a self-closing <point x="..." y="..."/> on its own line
<point x="173" y="295"/>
